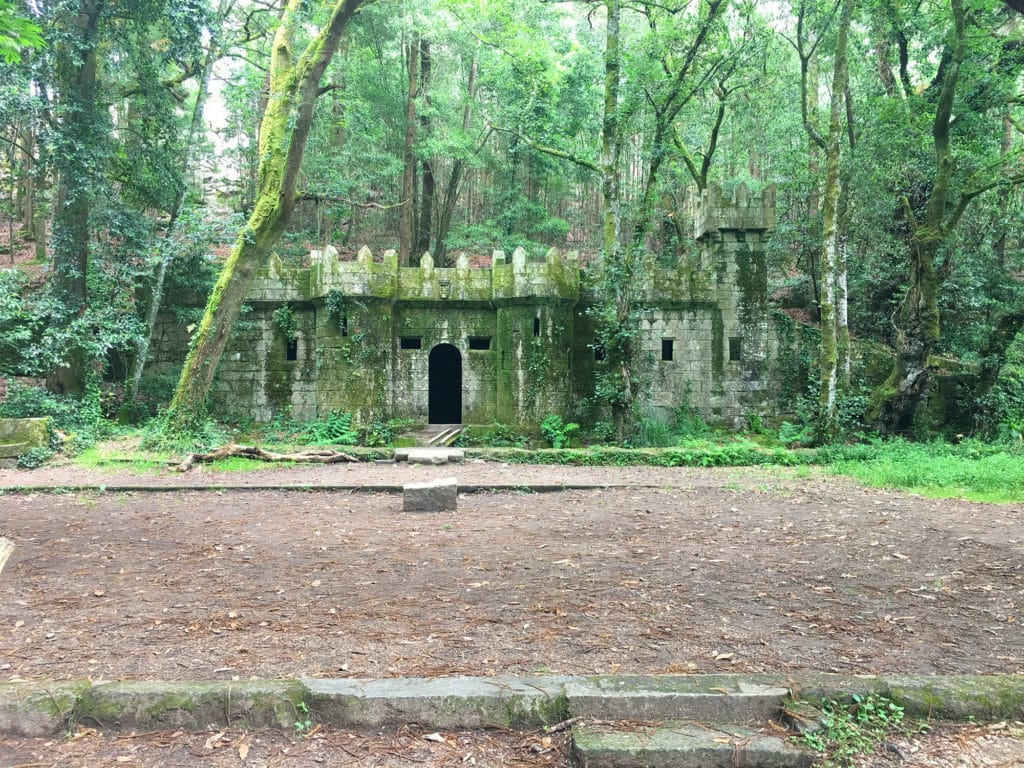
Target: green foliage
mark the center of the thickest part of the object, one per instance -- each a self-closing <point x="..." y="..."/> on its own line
<point x="17" y="324"/>
<point x="556" y="432"/>
<point x="337" y="311"/>
<point x="653" y="432"/>
<point x="16" y="32"/>
<point x="335" y="429"/>
<point x="79" y="418"/>
<point x="303" y="723"/>
<point x="494" y="436"/>
<point x="686" y="419"/>
<point x="1000" y="413"/>
<point x="34" y="457"/>
<point x="284" y="319"/>
<point x="202" y="434"/>
<point x="854" y="729"/>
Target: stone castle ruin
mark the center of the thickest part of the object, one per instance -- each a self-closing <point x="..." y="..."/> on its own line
<point x="507" y="343"/>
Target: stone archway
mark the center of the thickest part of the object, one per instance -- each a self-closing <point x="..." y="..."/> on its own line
<point x="445" y="385"/>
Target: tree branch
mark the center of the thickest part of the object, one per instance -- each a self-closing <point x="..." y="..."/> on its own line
<point x="561" y="154"/>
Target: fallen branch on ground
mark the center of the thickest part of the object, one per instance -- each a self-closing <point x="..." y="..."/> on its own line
<point x="6" y="548"/>
<point x="255" y="452"/>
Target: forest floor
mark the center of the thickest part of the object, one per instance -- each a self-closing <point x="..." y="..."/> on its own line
<point x="651" y="571"/>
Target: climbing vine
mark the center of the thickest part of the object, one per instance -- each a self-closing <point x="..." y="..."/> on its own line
<point x="284" y="319"/>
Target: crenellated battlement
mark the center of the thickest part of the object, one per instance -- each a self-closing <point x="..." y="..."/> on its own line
<point x="506" y="279"/>
<point x="742" y="210"/>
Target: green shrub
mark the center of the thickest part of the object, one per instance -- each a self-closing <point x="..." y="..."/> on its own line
<point x="849" y="730"/>
<point x="335" y="429"/>
<point x="34" y="457"/>
<point x="493" y="436"/>
<point x="79" y="419"/>
<point x="556" y="432"/>
<point x="653" y="432"/>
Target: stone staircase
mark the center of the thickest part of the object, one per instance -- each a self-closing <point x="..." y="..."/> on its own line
<point x="681" y="723"/>
<point x="438" y="435"/>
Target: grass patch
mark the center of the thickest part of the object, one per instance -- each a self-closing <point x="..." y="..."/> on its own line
<point x="117" y="456"/>
<point x="242" y="464"/>
<point x="990" y="472"/>
<point x="972" y="470"/>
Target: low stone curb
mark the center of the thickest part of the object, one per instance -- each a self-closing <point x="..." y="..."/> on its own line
<point x="39" y="708"/>
<point x="390" y="488"/>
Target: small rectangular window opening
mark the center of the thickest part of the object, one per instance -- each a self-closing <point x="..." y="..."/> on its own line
<point x="666" y="349"/>
<point x="344" y="325"/>
<point x="291" y="349"/>
<point x="599" y="352"/>
<point x="536" y="326"/>
<point x="411" y="342"/>
<point x="479" y="342"/>
<point x="735" y="349"/>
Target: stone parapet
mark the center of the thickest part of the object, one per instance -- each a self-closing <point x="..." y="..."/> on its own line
<point x="556" y="278"/>
<point x="742" y="210"/>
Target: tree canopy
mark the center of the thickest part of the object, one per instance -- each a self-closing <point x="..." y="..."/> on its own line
<point x="892" y="130"/>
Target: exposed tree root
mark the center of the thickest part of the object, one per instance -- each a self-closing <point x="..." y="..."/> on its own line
<point x="255" y="452"/>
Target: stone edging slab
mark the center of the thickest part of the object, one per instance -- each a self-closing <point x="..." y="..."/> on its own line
<point x="39" y="708"/>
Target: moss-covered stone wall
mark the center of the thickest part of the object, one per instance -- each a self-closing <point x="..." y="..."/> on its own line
<point x="364" y="331"/>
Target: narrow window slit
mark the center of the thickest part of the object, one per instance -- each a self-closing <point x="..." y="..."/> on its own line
<point x="666" y="349"/>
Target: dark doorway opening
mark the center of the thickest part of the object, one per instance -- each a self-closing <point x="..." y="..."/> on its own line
<point x="445" y="385"/>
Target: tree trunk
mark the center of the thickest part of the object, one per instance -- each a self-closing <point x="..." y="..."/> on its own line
<point x="427" y="184"/>
<point x="451" y="193"/>
<point x="407" y="215"/>
<point x="83" y="124"/>
<point x="284" y="129"/>
<point x="892" y="406"/>
<point x="827" y="426"/>
<point x="812" y="233"/>
<point x="195" y="126"/>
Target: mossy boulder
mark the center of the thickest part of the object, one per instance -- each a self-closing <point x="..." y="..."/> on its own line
<point x="18" y="436"/>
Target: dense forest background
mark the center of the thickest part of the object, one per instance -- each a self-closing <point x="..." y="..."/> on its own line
<point x="141" y="139"/>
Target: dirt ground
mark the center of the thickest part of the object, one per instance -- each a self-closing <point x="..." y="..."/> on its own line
<point x="407" y="746"/>
<point x="743" y="571"/>
<point x="965" y="746"/>
<point x="650" y="571"/>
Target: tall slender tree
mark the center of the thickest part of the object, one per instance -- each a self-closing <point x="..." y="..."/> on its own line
<point x="293" y="89"/>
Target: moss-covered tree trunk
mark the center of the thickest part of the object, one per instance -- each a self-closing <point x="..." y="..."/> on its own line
<point x="294" y="85"/>
<point x="892" y="406"/>
<point x="827" y="426"/>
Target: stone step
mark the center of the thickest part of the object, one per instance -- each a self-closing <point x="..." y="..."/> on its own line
<point x="430" y="455"/>
<point x="445" y="437"/>
<point x="684" y="744"/>
<point x="706" y="698"/>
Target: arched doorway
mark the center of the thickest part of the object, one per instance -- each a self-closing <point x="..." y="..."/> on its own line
<point x="445" y="385"/>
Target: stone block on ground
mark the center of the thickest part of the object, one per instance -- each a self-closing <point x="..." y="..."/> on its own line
<point x="37" y="709"/>
<point x="441" y="495"/>
<point x="18" y="436"/>
<point x="143" y="705"/>
<point x="430" y="456"/>
<point x="709" y="698"/>
<point x="685" y="745"/>
<point x="445" y="702"/>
